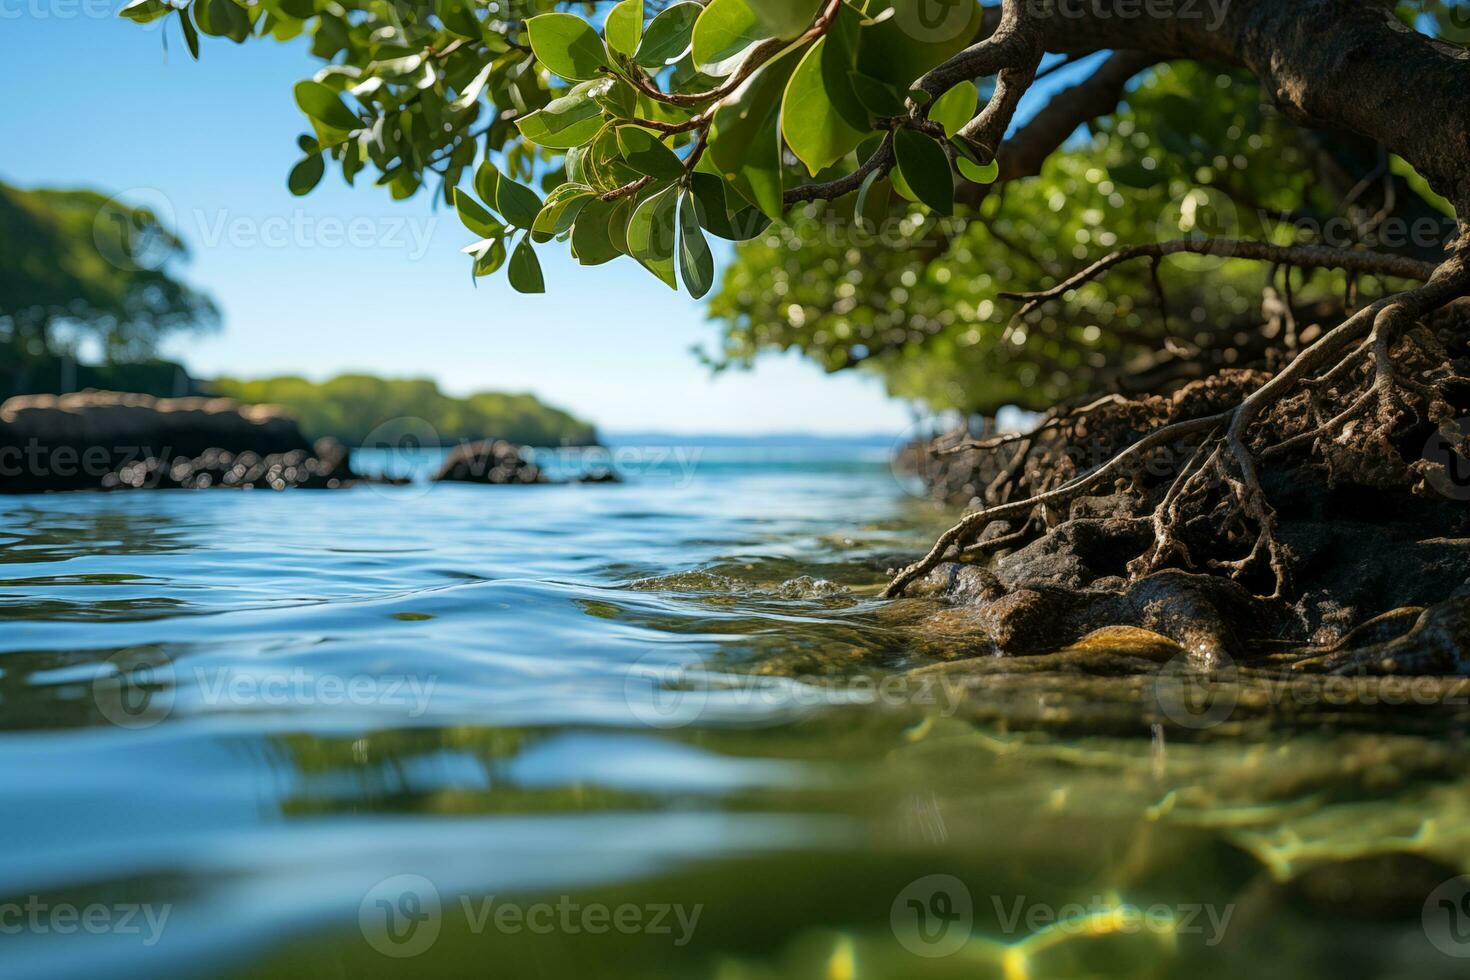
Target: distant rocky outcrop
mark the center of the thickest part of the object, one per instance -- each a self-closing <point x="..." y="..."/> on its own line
<point x="100" y="440"/>
<point x="494" y="462"/>
<point x="500" y="463"/>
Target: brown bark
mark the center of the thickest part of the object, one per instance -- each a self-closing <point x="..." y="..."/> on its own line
<point x="1344" y="64"/>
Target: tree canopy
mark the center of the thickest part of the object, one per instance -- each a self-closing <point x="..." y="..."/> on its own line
<point x="914" y="166"/>
<point x="75" y="264"/>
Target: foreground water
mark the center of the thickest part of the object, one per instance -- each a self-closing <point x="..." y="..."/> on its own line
<point x="655" y="729"/>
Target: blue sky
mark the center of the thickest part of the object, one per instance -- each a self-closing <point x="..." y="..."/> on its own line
<point x="347" y="279"/>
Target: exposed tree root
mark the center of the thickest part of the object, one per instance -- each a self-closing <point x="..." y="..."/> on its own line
<point x="1299" y="256"/>
<point x="1220" y="481"/>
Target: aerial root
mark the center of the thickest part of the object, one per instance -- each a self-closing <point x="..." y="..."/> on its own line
<point x="1224" y="460"/>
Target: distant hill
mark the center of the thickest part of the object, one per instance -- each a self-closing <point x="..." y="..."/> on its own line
<point x="351" y="406"/>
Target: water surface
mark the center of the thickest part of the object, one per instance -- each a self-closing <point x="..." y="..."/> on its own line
<point x="663" y="728"/>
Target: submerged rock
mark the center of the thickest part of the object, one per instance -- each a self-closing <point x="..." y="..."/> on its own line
<point x="98" y="440"/>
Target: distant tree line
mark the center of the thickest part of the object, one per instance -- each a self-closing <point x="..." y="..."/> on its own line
<point x="351" y="407"/>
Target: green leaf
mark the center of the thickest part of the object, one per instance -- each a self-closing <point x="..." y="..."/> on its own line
<point x="714" y="211"/>
<point x="517" y="203"/>
<point x="617" y="225"/>
<point x="979" y="173"/>
<point x="604" y="166"/>
<point x="786" y="18"/>
<point x="567" y="45"/>
<point x="306" y="174"/>
<point x="459" y="17"/>
<point x="617" y="98"/>
<point x="575" y="164"/>
<point x="746" y="140"/>
<point x="879" y="98"/>
<point x="651" y="229"/>
<point x="222" y="18"/>
<point x="525" y="269"/>
<point x="561" y="209"/>
<point x="191" y="34"/>
<point x="323" y="105"/>
<point x="624" y="27"/>
<point x="724" y="33"/>
<point x="471" y="93"/>
<point x="919" y="36"/>
<point x="925" y="168"/>
<point x="298" y="9"/>
<point x="651" y="233"/>
<point x="145" y="11"/>
<point x="572" y="120"/>
<point x="591" y="239"/>
<point x="645" y="153"/>
<point x="696" y="263"/>
<point x="860" y="208"/>
<point x="669" y="36"/>
<point x="487" y="184"/>
<point x="821" y="116"/>
<point x="474" y="217"/>
<point x="489" y="256"/>
<point x="955" y="108"/>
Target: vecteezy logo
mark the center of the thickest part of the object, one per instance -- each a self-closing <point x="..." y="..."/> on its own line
<point x="397" y="450"/>
<point x="664" y="695"/>
<point x="1201" y="216"/>
<point x="1456" y="23"/>
<point x="1196" y="698"/>
<point x="401" y="916"/>
<point x="131" y="693"/>
<point x="1446" y="917"/>
<point x="1449" y="473"/>
<point x="132" y="234"/>
<point x="933" y="21"/>
<point x="933" y="916"/>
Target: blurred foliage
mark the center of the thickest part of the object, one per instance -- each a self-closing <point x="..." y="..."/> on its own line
<point x="76" y="266"/>
<point x="351" y="406"/>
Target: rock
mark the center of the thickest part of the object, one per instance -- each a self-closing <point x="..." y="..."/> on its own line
<point x="498" y="462"/>
<point x="325" y="468"/>
<point x="107" y="440"/>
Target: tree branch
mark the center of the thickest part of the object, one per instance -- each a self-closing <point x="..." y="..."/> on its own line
<point x="1299" y="256"/>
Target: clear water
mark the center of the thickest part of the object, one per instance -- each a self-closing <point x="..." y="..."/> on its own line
<point x="663" y="728"/>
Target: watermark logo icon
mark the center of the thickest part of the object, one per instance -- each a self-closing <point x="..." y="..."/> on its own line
<point x="1454" y="24"/>
<point x="1446" y="917"/>
<point x="934" y="916"/>
<point x="1449" y="473"/>
<point x="1201" y="216"/>
<point x="401" y="916"/>
<point x="130" y="230"/>
<point x="1194" y="697"/>
<point x="664" y="695"/>
<point x="133" y="694"/>
<point x="933" y="21"/>
<point x="398" y="450"/>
